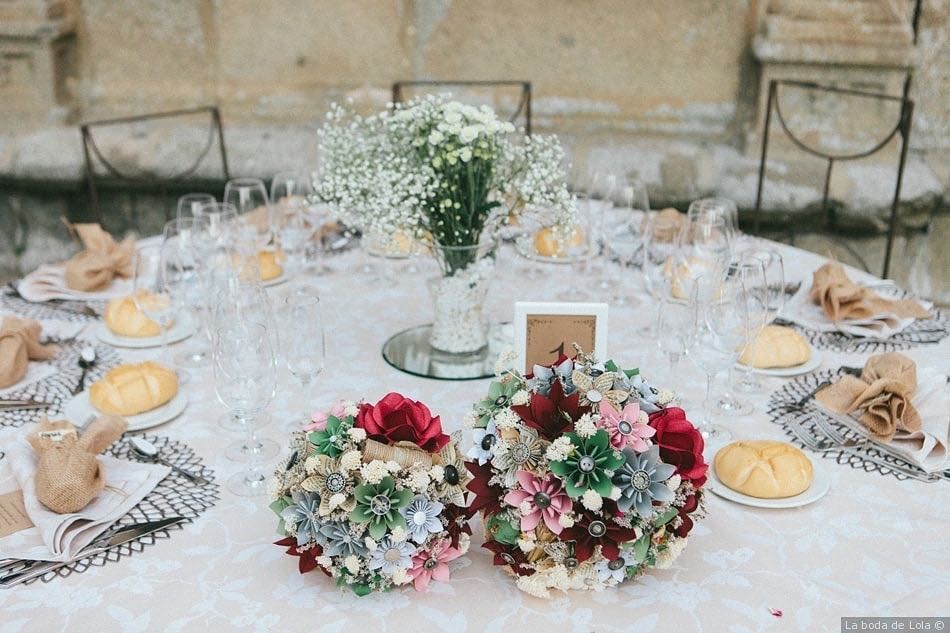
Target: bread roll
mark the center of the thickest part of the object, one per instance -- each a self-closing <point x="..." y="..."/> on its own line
<point x="269" y="262"/>
<point x="776" y="346"/>
<point x="547" y="244"/>
<point x="134" y="388"/>
<point x="124" y="318"/>
<point x="764" y="469"/>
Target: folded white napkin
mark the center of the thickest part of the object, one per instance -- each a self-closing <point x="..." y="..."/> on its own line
<point x="801" y="310"/>
<point x="59" y="537"/>
<point x="35" y="371"/>
<point x="928" y="448"/>
<point x="49" y="282"/>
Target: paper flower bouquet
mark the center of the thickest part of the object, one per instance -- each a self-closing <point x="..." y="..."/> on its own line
<point x="374" y="496"/>
<point x="585" y="475"/>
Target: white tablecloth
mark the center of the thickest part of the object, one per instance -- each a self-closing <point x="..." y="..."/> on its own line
<point x="873" y="546"/>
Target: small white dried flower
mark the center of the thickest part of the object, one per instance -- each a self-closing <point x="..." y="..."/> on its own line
<point x="398" y="534"/>
<point x="566" y="521"/>
<point x="525" y="507"/>
<point x="521" y="398"/>
<point x="664" y="397"/>
<point x="371" y="545"/>
<point x="352" y="564"/>
<point x="393" y="467"/>
<point x="437" y="473"/>
<point x="351" y="460"/>
<point x="585" y="427"/>
<point x="374" y="471"/>
<point x="592" y="501"/>
<point x="401" y="576"/>
<point x="350" y="410"/>
<point x="526" y="545"/>
<point x="356" y="434"/>
<point x="325" y="561"/>
<point x="506" y="419"/>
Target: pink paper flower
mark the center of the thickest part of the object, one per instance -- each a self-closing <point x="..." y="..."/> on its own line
<point x="432" y="565"/>
<point x="318" y="419"/>
<point x="543" y="498"/>
<point x="624" y="428"/>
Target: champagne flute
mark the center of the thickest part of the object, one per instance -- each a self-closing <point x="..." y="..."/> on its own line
<point x="245" y="379"/>
<point x="190" y="204"/>
<point x="306" y="357"/>
<point x="774" y="298"/>
<point x="186" y="259"/>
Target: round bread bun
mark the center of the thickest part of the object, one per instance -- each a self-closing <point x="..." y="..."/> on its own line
<point x="123" y="318"/>
<point x="764" y="469"/>
<point x="133" y="388"/>
<point x="776" y="346"/>
<point x="547" y="244"/>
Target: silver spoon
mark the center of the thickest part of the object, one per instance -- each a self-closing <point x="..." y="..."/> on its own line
<point x="87" y="358"/>
<point x="145" y="450"/>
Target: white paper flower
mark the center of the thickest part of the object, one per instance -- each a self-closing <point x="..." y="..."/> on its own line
<point x="422" y="518"/>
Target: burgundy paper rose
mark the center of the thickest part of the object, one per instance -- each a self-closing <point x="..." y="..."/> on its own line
<point x="396" y="418"/>
<point x="681" y="444"/>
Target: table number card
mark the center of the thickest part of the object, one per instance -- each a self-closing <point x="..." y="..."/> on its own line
<point x="544" y="331"/>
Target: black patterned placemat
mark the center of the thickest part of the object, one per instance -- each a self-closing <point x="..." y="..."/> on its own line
<point x="174" y="496"/>
<point x="57" y="388"/>
<point x="73" y="311"/>
<point x="794" y="408"/>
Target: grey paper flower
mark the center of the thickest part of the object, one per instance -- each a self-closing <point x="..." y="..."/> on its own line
<point x="337" y="540"/>
<point x="422" y="518"/>
<point x="305" y="515"/>
<point x="544" y="378"/>
<point x="640" y="480"/>
<point x="390" y="556"/>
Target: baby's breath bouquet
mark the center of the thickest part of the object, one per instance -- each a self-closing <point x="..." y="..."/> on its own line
<point x="450" y="175"/>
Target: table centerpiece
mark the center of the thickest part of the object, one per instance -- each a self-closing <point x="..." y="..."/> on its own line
<point x="585" y="475"/>
<point x="373" y="495"/>
<point x="452" y="176"/>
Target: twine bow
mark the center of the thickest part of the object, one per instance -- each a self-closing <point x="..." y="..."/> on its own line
<point x="840" y="298"/>
<point x="100" y="261"/>
<point x="406" y="454"/>
<point x="19" y="344"/>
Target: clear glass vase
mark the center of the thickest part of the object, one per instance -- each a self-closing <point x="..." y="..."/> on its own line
<point x="459" y="325"/>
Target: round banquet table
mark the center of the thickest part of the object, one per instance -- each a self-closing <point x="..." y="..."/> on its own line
<point x="875" y="545"/>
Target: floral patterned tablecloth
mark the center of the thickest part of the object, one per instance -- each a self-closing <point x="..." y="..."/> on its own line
<point x="874" y="545"/>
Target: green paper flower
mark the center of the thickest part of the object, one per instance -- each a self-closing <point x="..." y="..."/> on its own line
<point x="330" y="440"/>
<point x="379" y="505"/>
<point x="589" y="466"/>
<point x="499" y="397"/>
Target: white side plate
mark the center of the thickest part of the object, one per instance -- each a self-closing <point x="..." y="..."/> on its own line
<point x="180" y="330"/>
<point x="812" y="364"/>
<point x="78" y="409"/>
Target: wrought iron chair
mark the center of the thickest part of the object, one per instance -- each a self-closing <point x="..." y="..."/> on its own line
<point x="117" y="178"/>
<point x="404" y="90"/>
<point x="902" y="127"/>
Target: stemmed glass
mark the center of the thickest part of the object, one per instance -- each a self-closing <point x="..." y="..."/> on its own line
<point x="245" y="380"/>
<point x="152" y="290"/>
<point x="248" y="195"/>
<point x="303" y="324"/>
<point x="773" y="297"/>
<point x="717" y="208"/>
<point x="675" y="330"/>
<point x="185" y="262"/>
<point x="703" y="249"/>
<point x="190" y="204"/>
<point x="719" y="336"/>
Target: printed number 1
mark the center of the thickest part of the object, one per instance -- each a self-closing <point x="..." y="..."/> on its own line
<point x="559" y="350"/>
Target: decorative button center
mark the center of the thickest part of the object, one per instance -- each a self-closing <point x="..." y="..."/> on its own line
<point x="380" y="505"/>
<point x="586" y="464"/>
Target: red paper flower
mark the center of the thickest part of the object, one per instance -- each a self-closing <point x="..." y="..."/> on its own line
<point x="681" y="444"/>
<point x="487" y="497"/>
<point x="508" y="556"/>
<point x="396" y="418"/>
<point x="551" y="415"/>
<point x="590" y="531"/>
<point x="690" y="506"/>
<point x="308" y="557"/>
<point x="456" y="522"/>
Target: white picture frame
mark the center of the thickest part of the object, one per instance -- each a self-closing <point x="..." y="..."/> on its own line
<point x="524" y="310"/>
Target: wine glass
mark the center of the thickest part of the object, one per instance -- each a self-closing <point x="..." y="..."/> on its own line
<point x="245" y="380"/>
<point x="774" y="300"/>
<point x="749" y="274"/>
<point x="187" y="259"/>
<point x="218" y="217"/>
<point x="190" y="204"/>
<point x="717" y="208"/>
<point x="703" y="250"/>
<point x="248" y="195"/>
<point x="659" y="248"/>
<point x="675" y="330"/>
<point x="719" y="335"/>
<point x="152" y="287"/>
<point x="303" y="324"/>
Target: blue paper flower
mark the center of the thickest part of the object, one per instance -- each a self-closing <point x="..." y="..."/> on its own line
<point x="649" y="395"/>
<point x="422" y="518"/>
<point x="305" y="514"/>
<point x="338" y="541"/>
<point x="484" y="447"/>
<point x="544" y="378"/>
<point x="390" y="555"/>
<point x="640" y="479"/>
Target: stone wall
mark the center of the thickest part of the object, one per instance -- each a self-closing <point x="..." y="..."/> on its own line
<point x="672" y="92"/>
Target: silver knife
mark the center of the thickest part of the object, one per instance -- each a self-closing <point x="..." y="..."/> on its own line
<point x="101" y="544"/>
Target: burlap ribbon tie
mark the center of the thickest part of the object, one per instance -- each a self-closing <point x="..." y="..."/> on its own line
<point x="883" y="394"/>
<point x="101" y="259"/>
<point x="406" y="454"/>
<point x="840" y="298"/>
<point x="19" y="344"/>
<point x="68" y="473"/>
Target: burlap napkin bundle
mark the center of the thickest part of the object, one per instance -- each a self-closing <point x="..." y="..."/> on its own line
<point x="882" y="394"/>
<point x="100" y="261"/>
<point x="68" y="473"/>
<point x="841" y="299"/>
<point x="19" y="344"/>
